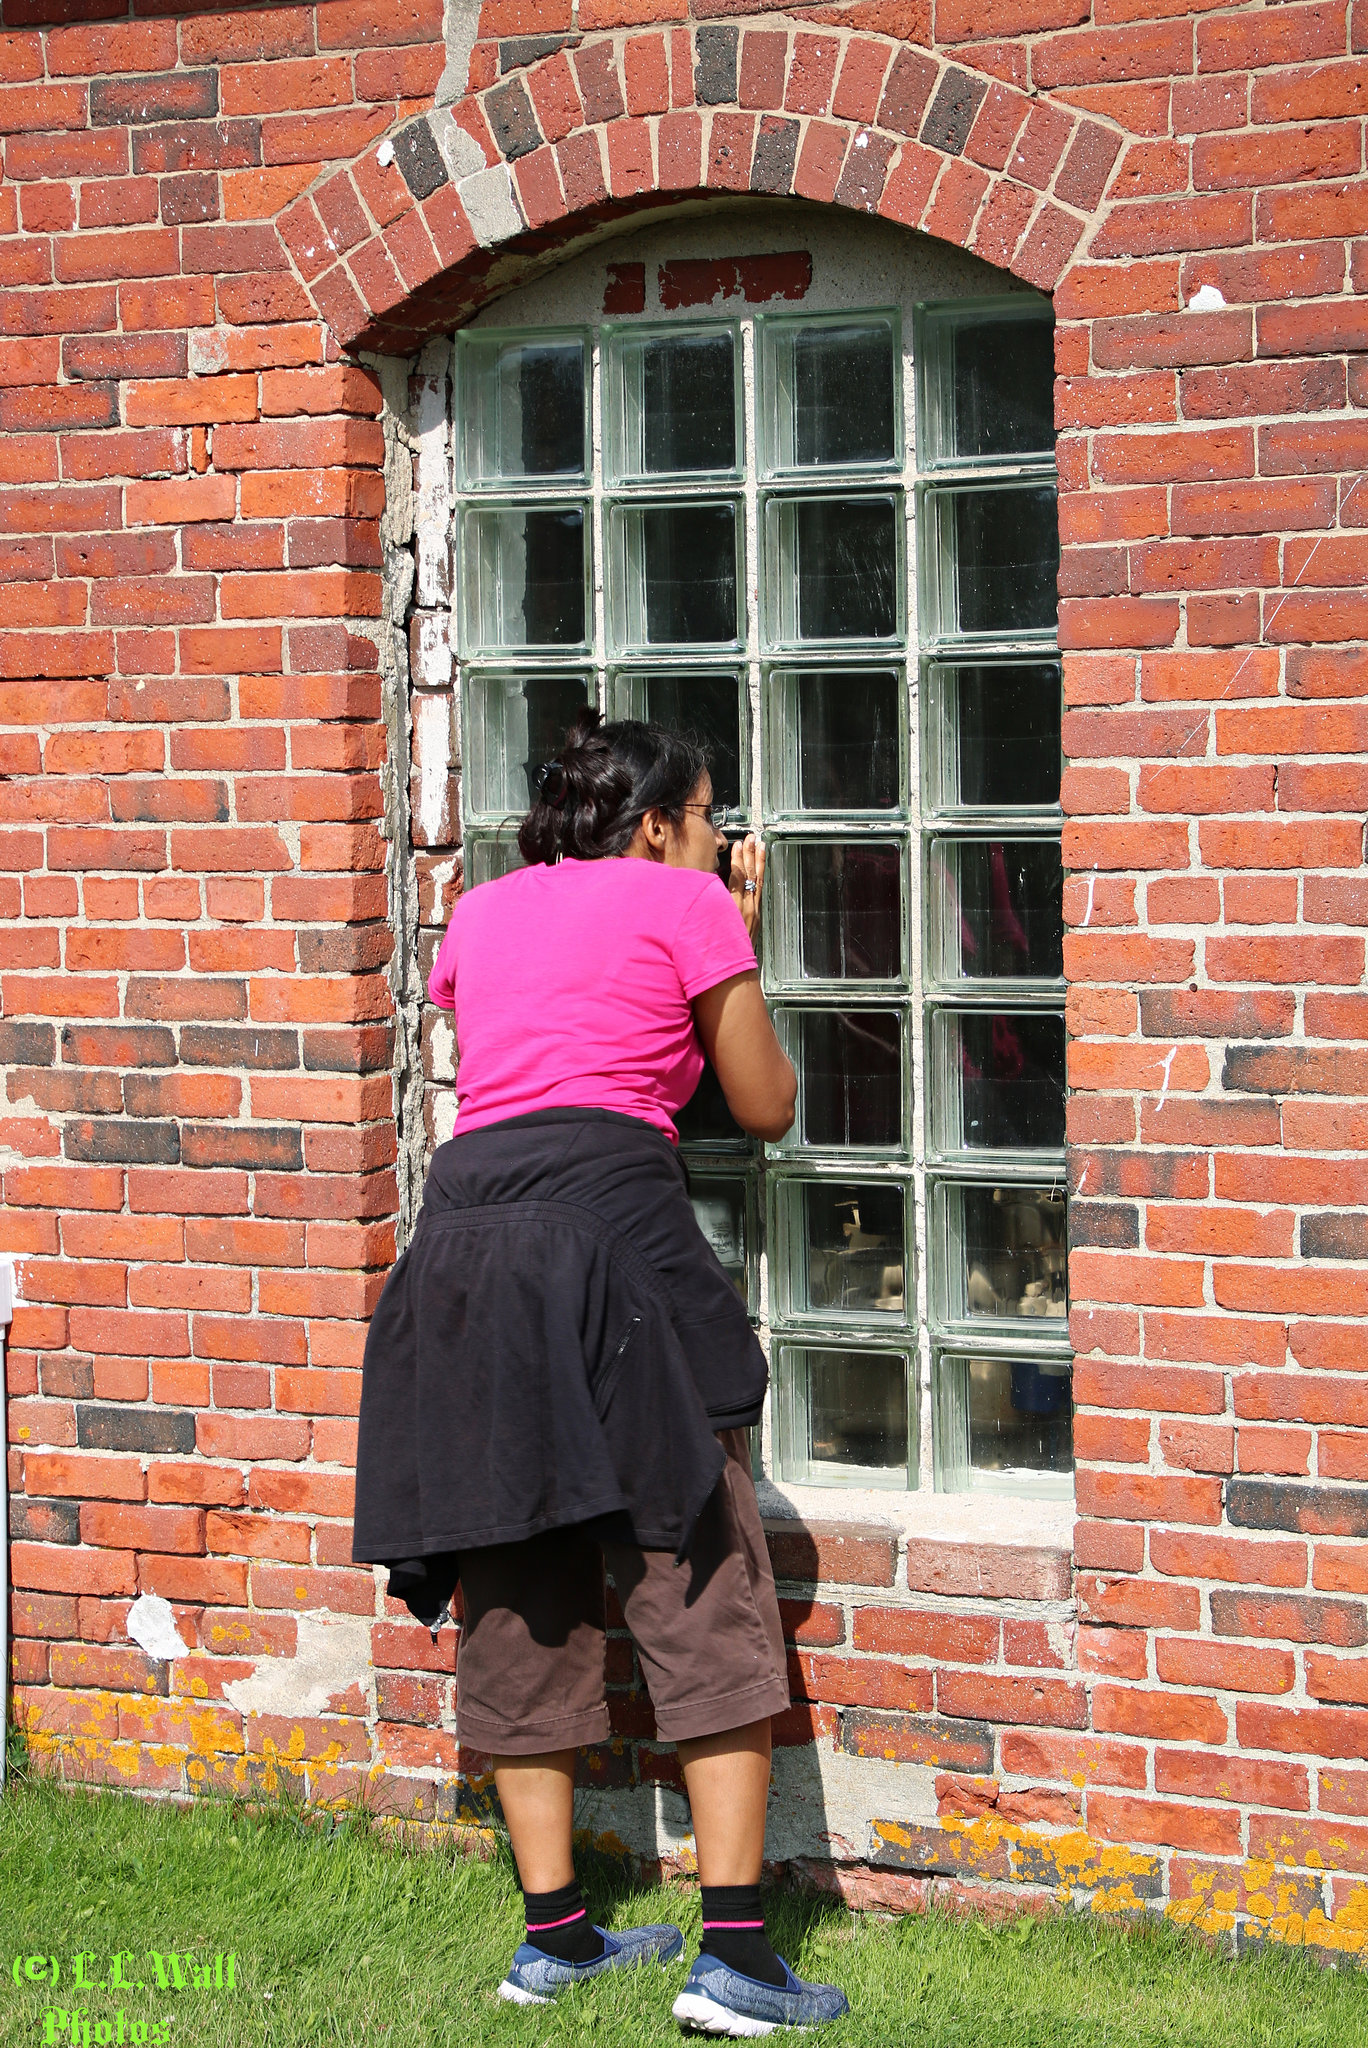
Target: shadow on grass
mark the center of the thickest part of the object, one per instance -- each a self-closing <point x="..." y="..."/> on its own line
<point x="614" y="1888"/>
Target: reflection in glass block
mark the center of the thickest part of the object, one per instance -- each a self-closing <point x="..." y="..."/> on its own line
<point x="857" y="1408"/>
<point x="1004" y="561"/>
<point x="848" y="731"/>
<point x="839" y="909"/>
<point x="1004" y="388"/>
<point x="833" y="401"/>
<point x="999" y="1080"/>
<point x="833" y="568"/>
<point x="525" y="574"/>
<point x="1006" y="1254"/>
<point x="1020" y="1415"/>
<point x="851" y="1251"/>
<point x="719" y="1203"/>
<point x="999" y="734"/>
<point x="678" y="399"/>
<point x="487" y="859"/>
<point x="1001" y="908"/>
<point x="679" y="575"/>
<point x="850" y="1078"/>
<point x="524" y="408"/>
<point x="835" y="738"/>
<point x="516" y="723"/>
<point x="705" y="1118"/>
<point x="705" y="706"/>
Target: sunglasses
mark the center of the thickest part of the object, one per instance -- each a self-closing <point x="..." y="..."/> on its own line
<point x="716" y="814"/>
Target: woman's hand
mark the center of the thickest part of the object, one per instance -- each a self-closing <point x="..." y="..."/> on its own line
<point x="747" y="879"/>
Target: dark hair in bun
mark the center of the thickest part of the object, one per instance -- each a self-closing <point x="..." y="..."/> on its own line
<point x="592" y="796"/>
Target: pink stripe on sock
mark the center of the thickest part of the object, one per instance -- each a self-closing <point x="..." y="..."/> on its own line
<point x="733" y="1923"/>
<point x="545" y="1926"/>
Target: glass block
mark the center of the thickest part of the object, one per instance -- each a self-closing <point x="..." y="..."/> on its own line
<point x="677" y="575"/>
<point x="524" y="405"/>
<point x="993" y="735"/>
<point x="986" y="382"/>
<point x="674" y="397"/>
<point x="831" y="394"/>
<point x="835" y="739"/>
<point x="839" y="910"/>
<point x="840" y="1249"/>
<point x="488" y="857"/>
<point x="1004" y="388"/>
<point x="515" y="723"/>
<point x="721" y="1204"/>
<point x="833" y="569"/>
<point x="997" y="1081"/>
<point x="705" y="1118"/>
<point x="1002" y="1254"/>
<point x="994" y="562"/>
<point x="707" y="704"/>
<point x="851" y="1087"/>
<point x="844" y="1416"/>
<point x="997" y="909"/>
<point x="1005" y="1425"/>
<point x="525" y="577"/>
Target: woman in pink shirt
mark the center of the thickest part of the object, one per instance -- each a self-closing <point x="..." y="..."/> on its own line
<point x="559" y="1375"/>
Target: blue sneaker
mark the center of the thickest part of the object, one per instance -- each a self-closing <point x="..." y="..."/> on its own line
<point x="716" y="2000"/>
<point x="535" y="1978"/>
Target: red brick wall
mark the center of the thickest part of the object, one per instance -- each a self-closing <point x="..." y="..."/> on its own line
<point x="194" y="991"/>
<point x="195" y="1021"/>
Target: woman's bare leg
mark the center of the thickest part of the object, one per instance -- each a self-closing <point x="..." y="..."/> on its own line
<point x="728" y="1780"/>
<point x="727" y="1777"/>
<point x="537" y="1794"/>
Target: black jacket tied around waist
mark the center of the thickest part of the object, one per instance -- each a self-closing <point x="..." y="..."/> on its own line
<point x="558" y="1343"/>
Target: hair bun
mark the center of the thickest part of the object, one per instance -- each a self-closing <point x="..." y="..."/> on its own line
<point x="551" y="784"/>
<point x="591" y="796"/>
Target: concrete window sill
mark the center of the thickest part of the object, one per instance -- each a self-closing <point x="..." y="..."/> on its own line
<point x="966" y="1546"/>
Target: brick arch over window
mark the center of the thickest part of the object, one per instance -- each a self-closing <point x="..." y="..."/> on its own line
<point x="404" y="242"/>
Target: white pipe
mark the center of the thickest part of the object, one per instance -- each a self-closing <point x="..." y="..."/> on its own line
<point x="9" y="1288"/>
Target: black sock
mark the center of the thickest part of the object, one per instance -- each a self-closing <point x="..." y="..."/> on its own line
<point x="558" y="1925"/>
<point x="734" y="1932"/>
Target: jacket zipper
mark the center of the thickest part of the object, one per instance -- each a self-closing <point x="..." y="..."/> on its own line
<point x="609" y="1373"/>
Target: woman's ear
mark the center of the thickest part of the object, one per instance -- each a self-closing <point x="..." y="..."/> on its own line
<point x="656" y="831"/>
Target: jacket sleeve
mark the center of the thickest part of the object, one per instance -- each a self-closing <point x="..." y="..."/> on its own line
<point x="425" y="1585"/>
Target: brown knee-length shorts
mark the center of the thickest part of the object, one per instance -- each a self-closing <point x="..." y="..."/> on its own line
<point x="530" y="1669"/>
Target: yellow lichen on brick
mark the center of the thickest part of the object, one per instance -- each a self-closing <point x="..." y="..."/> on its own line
<point x="1271" y="1902"/>
<point x="126" y="1757"/>
<point x="1322" y="1932"/>
<point x="236" y="1633"/>
<point x="205" y="1730"/>
<point x="608" y="1842"/>
<point x="1069" y="1863"/>
<point x="1353" y="1913"/>
<point x="292" y="1751"/>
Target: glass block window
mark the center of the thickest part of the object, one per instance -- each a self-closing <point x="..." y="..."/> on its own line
<point x="827" y="543"/>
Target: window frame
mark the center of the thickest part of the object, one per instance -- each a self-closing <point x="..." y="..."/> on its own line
<point x="920" y="478"/>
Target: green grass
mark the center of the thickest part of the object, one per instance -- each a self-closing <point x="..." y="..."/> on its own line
<point x="344" y="1935"/>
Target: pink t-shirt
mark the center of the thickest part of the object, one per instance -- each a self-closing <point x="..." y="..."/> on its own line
<point x="572" y="984"/>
